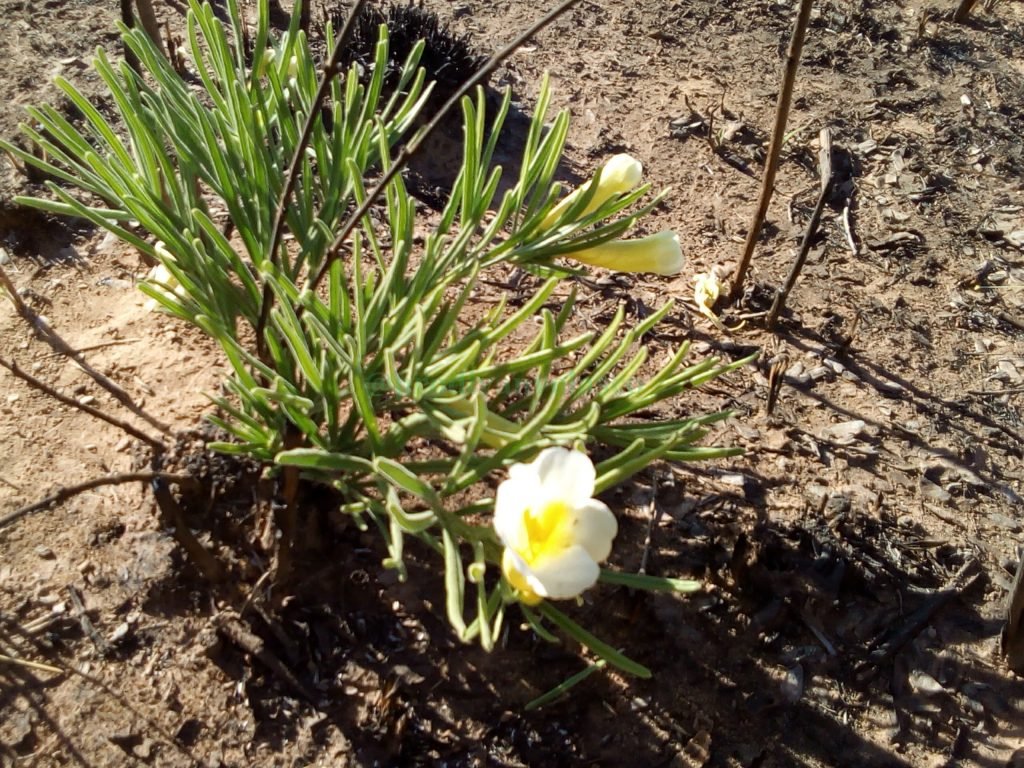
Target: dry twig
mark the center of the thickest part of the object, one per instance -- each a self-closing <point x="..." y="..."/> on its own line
<point x="45" y="388"/>
<point x="825" y="170"/>
<point x="67" y="492"/>
<point x="796" y="45"/>
<point x="885" y="650"/>
<point x="231" y="628"/>
<point x="98" y="640"/>
<point x="43" y="330"/>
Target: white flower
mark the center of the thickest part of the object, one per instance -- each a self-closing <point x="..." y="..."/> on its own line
<point x="660" y="254"/>
<point x="554" y="532"/>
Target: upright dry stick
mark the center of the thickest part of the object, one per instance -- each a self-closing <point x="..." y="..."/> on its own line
<point x="825" y="169"/>
<point x="796" y="45"/>
<point x="963" y="11"/>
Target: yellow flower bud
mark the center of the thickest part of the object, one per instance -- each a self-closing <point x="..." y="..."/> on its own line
<point x="660" y="254"/>
<point x="619" y="175"/>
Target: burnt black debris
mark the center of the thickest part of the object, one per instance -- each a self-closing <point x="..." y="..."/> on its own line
<point x="448" y="58"/>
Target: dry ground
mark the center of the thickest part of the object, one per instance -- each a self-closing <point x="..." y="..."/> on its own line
<point x="857" y="558"/>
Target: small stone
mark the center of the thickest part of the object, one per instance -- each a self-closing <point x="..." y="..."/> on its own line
<point x="924" y="683"/>
<point x="834" y="365"/>
<point x="837" y="504"/>
<point x="793" y="684"/>
<point x="933" y="492"/>
<point x="44" y="552"/>
<point x="747" y="433"/>
<point x="819" y="372"/>
<point x="845" y="432"/>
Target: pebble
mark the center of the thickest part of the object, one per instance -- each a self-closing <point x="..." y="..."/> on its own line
<point x="837" y="504"/>
<point x="924" y="683"/>
<point x="44" y="552"/>
<point x="834" y="365"/>
<point x="820" y="372"/>
<point x="120" y="632"/>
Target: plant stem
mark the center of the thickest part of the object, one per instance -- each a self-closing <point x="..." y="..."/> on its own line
<point x="963" y="11"/>
<point x="149" y="22"/>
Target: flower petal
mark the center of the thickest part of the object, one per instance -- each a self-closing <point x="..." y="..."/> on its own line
<point x="594" y="526"/>
<point x="660" y="254"/>
<point x="563" y="576"/>
<point x="510" y="506"/>
<point x="565" y="475"/>
<point x="516" y="573"/>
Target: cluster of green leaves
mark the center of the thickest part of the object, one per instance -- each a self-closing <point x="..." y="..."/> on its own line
<point x="359" y="378"/>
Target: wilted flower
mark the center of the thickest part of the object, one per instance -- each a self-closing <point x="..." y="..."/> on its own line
<point x="619" y="175"/>
<point x="660" y="254"/>
<point x="554" y="532"/>
<point x="706" y="289"/>
<point x="162" y="279"/>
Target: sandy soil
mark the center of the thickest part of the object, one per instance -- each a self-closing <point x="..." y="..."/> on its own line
<point x="857" y="558"/>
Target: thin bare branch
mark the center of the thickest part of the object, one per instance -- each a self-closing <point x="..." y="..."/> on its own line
<point x="43" y="330"/>
<point x="796" y="45"/>
<point x="67" y="492"/>
<point x="825" y="170"/>
<point x="421" y="136"/>
<point x="42" y="386"/>
<point x="331" y="70"/>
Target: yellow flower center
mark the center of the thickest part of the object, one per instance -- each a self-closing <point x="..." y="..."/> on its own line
<point x="547" y="531"/>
